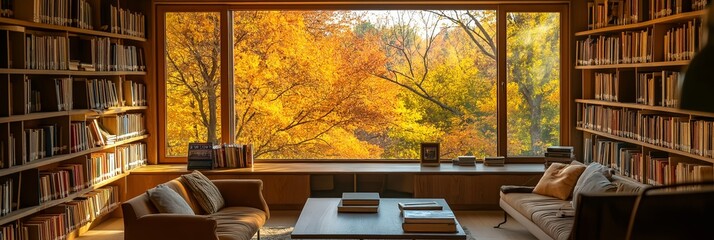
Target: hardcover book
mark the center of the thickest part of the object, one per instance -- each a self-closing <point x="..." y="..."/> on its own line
<point x="360" y="198"/>
<point x="357" y="208"/>
<point x="418" y="216"/>
<point x="420" y="205"/>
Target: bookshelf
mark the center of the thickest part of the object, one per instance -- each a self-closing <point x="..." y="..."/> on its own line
<point x="73" y="112"/>
<point x="631" y="59"/>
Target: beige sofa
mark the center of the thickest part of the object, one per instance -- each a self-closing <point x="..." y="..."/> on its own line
<point x="551" y="218"/>
<point x="245" y="211"/>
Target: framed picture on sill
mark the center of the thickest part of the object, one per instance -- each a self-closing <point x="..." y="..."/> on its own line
<point x="429" y="154"/>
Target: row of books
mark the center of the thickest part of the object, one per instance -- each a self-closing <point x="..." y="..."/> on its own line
<point x="75" y="13"/>
<point x="7" y="196"/>
<point x="124" y="126"/>
<point x="607" y="86"/>
<point x="604" y="13"/>
<point x="628" y="47"/>
<point x="102" y="54"/>
<point x="132" y="155"/>
<point x="682" y="42"/>
<point x="657" y="88"/>
<point x="653" y="167"/>
<point x="58" y="221"/>
<point x="65" y="94"/>
<point x="59" y="183"/>
<point x="125" y="21"/>
<point x="85" y="135"/>
<point x="233" y="155"/>
<point x="695" y="136"/>
<point x="8" y="149"/>
<point x="41" y="142"/>
<point x="6" y="8"/>
<point x="46" y="52"/>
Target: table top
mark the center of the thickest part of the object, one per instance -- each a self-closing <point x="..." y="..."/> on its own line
<point x="319" y="219"/>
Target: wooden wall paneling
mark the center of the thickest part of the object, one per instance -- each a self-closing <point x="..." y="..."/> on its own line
<point x="139" y="183"/>
<point x="468" y="192"/>
<point x="283" y="191"/>
<point x="577" y="23"/>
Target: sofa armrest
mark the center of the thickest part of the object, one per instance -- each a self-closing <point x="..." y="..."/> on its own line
<point x="172" y="226"/>
<point x="243" y="193"/>
<point x="516" y="189"/>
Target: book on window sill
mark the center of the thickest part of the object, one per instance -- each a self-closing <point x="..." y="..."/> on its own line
<point x="429" y="227"/>
<point x="360" y="199"/>
<point x="432" y="216"/>
<point x="420" y="205"/>
<point x="357" y="209"/>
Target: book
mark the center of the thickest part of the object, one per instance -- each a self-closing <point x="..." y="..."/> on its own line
<point x="420" y="205"/>
<point x="421" y="216"/>
<point x="494" y="161"/>
<point x="429" y="227"/>
<point x="357" y="208"/>
<point x="561" y="149"/>
<point x="360" y="198"/>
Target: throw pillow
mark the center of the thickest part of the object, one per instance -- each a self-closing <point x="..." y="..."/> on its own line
<point x="590" y="169"/>
<point x="166" y="200"/>
<point x="558" y="180"/>
<point x="593" y="182"/>
<point x="206" y="193"/>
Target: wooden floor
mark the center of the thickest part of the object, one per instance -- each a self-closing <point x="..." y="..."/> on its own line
<point x="480" y="223"/>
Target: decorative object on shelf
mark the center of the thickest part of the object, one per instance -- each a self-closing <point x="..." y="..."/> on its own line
<point x="429" y="154"/>
<point x="200" y="156"/>
<point x="695" y="91"/>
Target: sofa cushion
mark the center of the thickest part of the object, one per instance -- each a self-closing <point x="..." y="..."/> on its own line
<point x="595" y="178"/>
<point x="558" y="180"/>
<point x="166" y="200"/>
<point x="206" y="193"/>
<point x="186" y="193"/>
<point x="238" y="223"/>
<point x="555" y="226"/>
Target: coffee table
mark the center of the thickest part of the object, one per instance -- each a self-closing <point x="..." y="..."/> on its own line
<point x="319" y="219"/>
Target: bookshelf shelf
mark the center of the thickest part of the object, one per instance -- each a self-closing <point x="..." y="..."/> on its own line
<point x="70" y="73"/>
<point x="50" y="27"/>
<point x="647" y="145"/>
<point x="682" y="17"/>
<point x="63" y="157"/>
<point x="636" y="65"/>
<point x="24" y="212"/>
<point x="41" y="115"/>
<point x="645" y="107"/>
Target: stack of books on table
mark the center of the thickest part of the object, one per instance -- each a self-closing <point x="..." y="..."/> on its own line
<point x="559" y="154"/>
<point x="419" y="205"/>
<point x="494" y="161"/>
<point x="359" y="202"/>
<point x="429" y="221"/>
<point x="464" y="161"/>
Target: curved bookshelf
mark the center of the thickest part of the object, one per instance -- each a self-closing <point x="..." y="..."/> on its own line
<point x="41" y="115"/>
<point x="645" y="107"/>
<point x="69" y="72"/>
<point x="50" y="27"/>
<point x="24" y="212"/>
<point x="664" y="20"/>
<point x="647" y="145"/>
<point x="59" y="158"/>
<point x="636" y="65"/>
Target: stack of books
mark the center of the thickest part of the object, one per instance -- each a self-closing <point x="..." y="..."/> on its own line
<point x="464" y="161"/>
<point x="494" y="161"/>
<point x="429" y="221"/>
<point x="559" y="154"/>
<point x="359" y="202"/>
<point x="419" y="205"/>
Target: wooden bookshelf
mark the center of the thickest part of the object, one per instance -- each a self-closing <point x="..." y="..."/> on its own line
<point x="57" y="82"/>
<point x="616" y="95"/>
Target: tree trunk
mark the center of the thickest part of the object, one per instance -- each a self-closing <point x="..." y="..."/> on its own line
<point x="212" y="117"/>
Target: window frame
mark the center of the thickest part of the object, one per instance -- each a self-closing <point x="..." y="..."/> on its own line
<point x="227" y="93"/>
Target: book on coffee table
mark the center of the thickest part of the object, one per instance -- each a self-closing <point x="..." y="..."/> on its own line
<point x="429" y="227"/>
<point x="360" y="199"/>
<point x="357" y="208"/>
<point x="430" y="216"/>
<point x="419" y="205"/>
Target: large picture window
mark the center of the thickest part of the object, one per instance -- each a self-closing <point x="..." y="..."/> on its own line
<point x="363" y="84"/>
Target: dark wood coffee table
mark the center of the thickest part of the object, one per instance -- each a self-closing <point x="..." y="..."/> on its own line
<point x="319" y="219"/>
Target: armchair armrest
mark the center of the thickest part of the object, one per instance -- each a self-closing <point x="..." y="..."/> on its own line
<point x="516" y="189"/>
<point x="243" y="193"/>
<point x="172" y="226"/>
